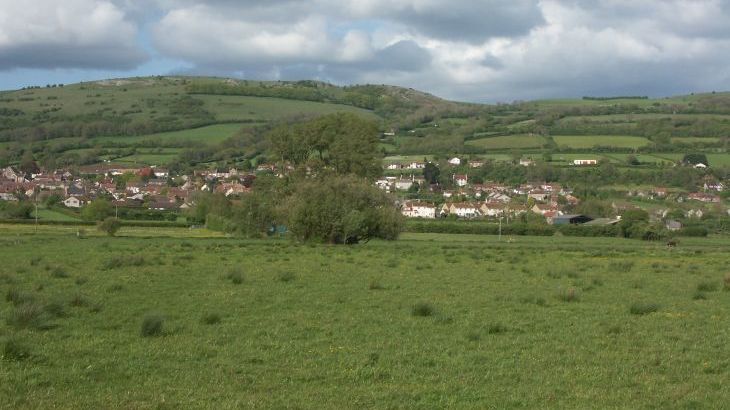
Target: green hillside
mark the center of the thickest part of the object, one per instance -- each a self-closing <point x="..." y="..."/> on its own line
<point x="133" y="119"/>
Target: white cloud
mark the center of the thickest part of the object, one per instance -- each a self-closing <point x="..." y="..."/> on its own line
<point x="72" y="33"/>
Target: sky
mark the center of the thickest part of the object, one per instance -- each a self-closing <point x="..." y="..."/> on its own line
<point x="466" y="50"/>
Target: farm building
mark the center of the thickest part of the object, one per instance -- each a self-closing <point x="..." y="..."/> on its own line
<point x="571" y="219"/>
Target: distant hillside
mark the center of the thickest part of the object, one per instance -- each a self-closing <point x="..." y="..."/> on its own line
<point x="152" y="119"/>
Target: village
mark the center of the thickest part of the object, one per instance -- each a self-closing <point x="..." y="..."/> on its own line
<point x="155" y="189"/>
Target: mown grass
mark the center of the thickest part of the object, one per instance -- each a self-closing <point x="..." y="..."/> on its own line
<point x="497" y="331"/>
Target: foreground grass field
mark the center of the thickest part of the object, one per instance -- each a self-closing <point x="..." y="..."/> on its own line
<point x="430" y="321"/>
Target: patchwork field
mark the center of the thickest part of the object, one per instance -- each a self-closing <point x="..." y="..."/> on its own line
<point x="509" y="141"/>
<point x="590" y="141"/>
<point x="429" y="321"/>
<point x="211" y="134"/>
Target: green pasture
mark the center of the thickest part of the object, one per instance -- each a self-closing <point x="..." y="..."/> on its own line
<point x="509" y="141"/>
<point x="211" y="134"/>
<point x="429" y="321"/>
<point x="590" y="141"/>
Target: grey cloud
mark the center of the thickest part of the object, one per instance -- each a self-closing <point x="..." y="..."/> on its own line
<point x="71" y="56"/>
<point x="472" y="21"/>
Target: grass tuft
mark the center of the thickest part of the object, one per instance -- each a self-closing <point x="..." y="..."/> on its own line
<point x="423" y="309"/>
<point x="375" y="285"/>
<point x="643" y="308"/>
<point x="211" y="318"/>
<point x="18" y="297"/>
<point x="496" y="328"/>
<point x="15" y="349"/>
<point x="570" y="294"/>
<point x="59" y="272"/>
<point x="29" y="316"/>
<point x="286" y="276"/>
<point x="235" y="276"/>
<point x="152" y="325"/>
<point x="707" y="286"/>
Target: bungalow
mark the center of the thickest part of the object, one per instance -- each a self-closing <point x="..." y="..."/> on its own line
<point x="455" y="161"/>
<point x="419" y="210"/>
<point x="75" y="202"/>
<point x="585" y="162"/>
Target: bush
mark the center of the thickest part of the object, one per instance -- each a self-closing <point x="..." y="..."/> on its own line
<point x="211" y="318"/>
<point x="643" y="308"/>
<point x="110" y="226"/>
<point x="423" y="309"/>
<point x="15" y="349"/>
<point x="695" y="231"/>
<point x="152" y="325"/>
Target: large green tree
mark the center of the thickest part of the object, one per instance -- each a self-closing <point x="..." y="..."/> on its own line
<point x="341" y="209"/>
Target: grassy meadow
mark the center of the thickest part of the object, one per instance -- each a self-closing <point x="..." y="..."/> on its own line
<point x="157" y="318"/>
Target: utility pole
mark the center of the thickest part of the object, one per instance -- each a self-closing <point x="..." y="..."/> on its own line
<point x="500" y="229"/>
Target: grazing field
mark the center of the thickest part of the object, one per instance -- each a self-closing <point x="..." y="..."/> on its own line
<point x="590" y="141"/>
<point x="430" y="321"/>
<point x="212" y="134"/>
<point x="509" y="141"/>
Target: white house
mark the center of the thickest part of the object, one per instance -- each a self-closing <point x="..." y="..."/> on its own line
<point x="74" y="202"/>
<point x="455" y="161"/>
<point x="461" y="180"/>
<point x="419" y="210"/>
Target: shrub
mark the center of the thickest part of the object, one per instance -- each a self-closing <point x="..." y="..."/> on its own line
<point x="286" y="276"/>
<point x="570" y="294"/>
<point x="110" y="226"/>
<point x="152" y="325"/>
<point x="423" y="309"/>
<point x="707" y="286"/>
<point x="15" y="349"/>
<point x="211" y="318"/>
<point x="643" y="308"/>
